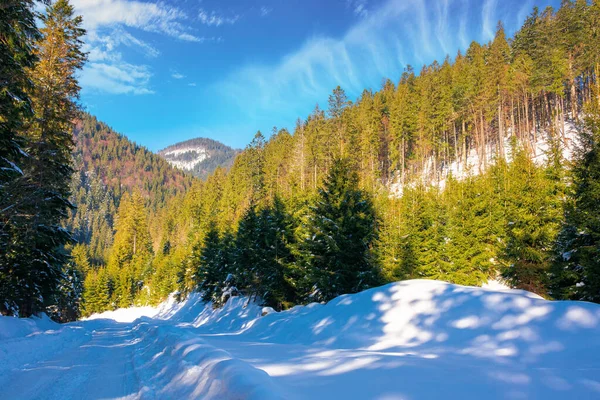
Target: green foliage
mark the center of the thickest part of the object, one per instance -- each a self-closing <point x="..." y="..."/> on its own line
<point x="34" y="258"/>
<point x="532" y="214"/>
<point x="576" y="273"/>
<point x="338" y="239"/>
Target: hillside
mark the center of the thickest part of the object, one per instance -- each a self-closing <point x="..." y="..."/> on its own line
<point x="108" y="165"/>
<point x="200" y="156"/>
<point x="478" y="165"/>
<point x="387" y="342"/>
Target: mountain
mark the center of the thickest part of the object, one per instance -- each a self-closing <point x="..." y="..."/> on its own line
<point x="200" y="156"/>
<point x="108" y="165"/>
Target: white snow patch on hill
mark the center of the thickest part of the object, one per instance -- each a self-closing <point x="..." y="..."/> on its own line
<point x="186" y="157"/>
<point x="406" y="340"/>
<point x="473" y="164"/>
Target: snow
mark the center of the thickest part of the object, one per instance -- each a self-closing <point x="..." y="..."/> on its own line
<point x="473" y="165"/>
<point x="406" y="340"/>
<point x="185" y="158"/>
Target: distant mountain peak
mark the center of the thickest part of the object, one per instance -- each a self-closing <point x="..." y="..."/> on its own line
<point x="199" y="156"/>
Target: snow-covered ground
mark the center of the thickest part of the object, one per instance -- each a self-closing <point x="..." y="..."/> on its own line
<point x="473" y="165"/>
<point x="408" y="340"/>
<point x="185" y="158"/>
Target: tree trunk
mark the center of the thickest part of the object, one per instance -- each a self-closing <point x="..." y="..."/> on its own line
<point x="464" y="141"/>
<point x="512" y="115"/>
<point x="596" y="75"/>
<point x="483" y="141"/>
<point x="500" y="130"/>
<point x="403" y="161"/>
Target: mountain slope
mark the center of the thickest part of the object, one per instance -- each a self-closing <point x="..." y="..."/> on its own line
<point x="200" y="156"/>
<point x="109" y="165"/>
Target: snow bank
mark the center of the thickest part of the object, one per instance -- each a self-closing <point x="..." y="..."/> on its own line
<point x="483" y="322"/>
<point x="32" y="339"/>
<point x="178" y="364"/>
<point x="21" y="327"/>
<point x="387" y="342"/>
<point x="125" y="314"/>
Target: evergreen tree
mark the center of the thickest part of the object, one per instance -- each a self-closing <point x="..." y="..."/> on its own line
<point x="532" y="225"/>
<point x="275" y="271"/>
<point x="339" y="236"/>
<point x="247" y="253"/>
<point x="43" y="189"/>
<point x="576" y="273"/>
<point x="212" y="265"/>
<point x="18" y="31"/>
<point x="132" y="251"/>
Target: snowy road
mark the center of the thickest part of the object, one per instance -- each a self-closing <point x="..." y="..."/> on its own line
<point x="100" y="366"/>
<point x="414" y="340"/>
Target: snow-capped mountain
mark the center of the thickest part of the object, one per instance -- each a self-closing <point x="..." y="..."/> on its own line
<point x="200" y="156"/>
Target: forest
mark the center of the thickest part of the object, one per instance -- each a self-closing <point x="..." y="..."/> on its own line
<point x="309" y="214"/>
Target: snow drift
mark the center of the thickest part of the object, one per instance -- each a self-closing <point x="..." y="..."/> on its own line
<point x="411" y="339"/>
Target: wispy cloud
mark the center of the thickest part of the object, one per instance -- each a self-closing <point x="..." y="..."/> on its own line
<point x="177" y="75"/>
<point x="116" y="78"/>
<point x="358" y="7"/>
<point x="152" y="17"/>
<point x="214" y="19"/>
<point x="110" y="24"/>
<point x="379" y="45"/>
<point x="264" y="11"/>
<point x="488" y="15"/>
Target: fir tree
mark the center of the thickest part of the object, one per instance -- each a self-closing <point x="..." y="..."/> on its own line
<point x="576" y="273"/>
<point x="339" y="237"/>
<point x="212" y="265"/>
<point x="43" y="189"/>
<point x="275" y="271"/>
<point x="532" y="224"/>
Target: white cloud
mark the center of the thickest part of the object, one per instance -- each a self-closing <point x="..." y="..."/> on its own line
<point x="379" y="45"/>
<point x="214" y="19"/>
<point x="358" y="7"/>
<point x="177" y="75"/>
<point x="116" y="78"/>
<point x="109" y="26"/>
<point x="488" y="15"/>
<point x="193" y="84"/>
<point x="151" y="17"/>
<point x="264" y="11"/>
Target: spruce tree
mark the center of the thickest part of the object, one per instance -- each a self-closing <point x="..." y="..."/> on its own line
<point x="18" y="32"/>
<point x="248" y="253"/>
<point x="211" y="265"/>
<point x="275" y="268"/>
<point x="532" y="224"/>
<point x="131" y="254"/>
<point x="43" y="189"/>
<point x="339" y="237"/>
<point x="576" y="272"/>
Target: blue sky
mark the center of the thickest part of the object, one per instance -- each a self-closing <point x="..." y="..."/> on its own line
<point x="166" y="71"/>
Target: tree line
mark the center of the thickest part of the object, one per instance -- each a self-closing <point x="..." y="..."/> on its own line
<point x="310" y="214"/>
<point x="278" y="227"/>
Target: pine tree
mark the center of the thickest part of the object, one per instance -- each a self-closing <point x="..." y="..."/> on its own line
<point x="43" y="189"/>
<point x="339" y="237"/>
<point x="533" y="216"/>
<point x="247" y="253"/>
<point x="211" y="265"/>
<point x="275" y="268"/>
<point x="576" y="272"/>
<point x="18" y="32"/>
<point x="129" y="263"/>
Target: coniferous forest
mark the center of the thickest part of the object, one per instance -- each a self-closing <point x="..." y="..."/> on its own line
<point x="359" y="194"/>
